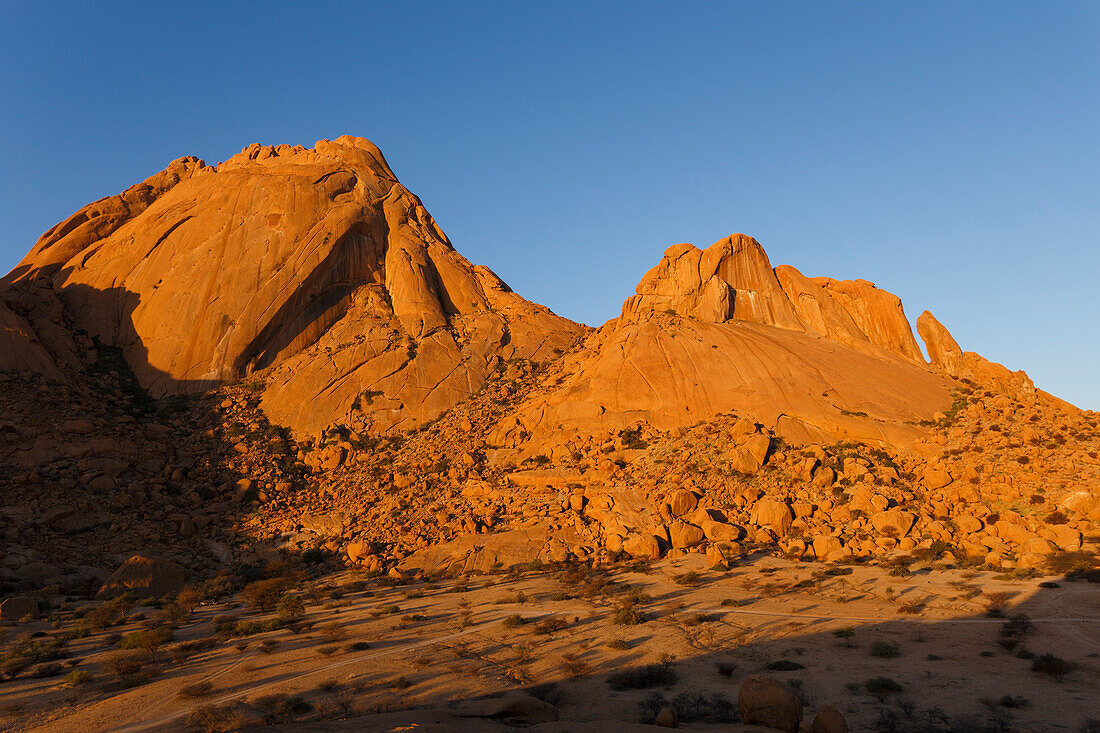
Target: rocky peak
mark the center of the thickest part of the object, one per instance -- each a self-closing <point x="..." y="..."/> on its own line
<point x="733" y="280"/>
<point x="204" y="274"/>
<point x="730" y="280"/>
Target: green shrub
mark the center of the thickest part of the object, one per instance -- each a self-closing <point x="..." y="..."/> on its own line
<point x="264" y="594"/>
<point x="1051" y="665"/>
<point x="76" y="678"/>
<point x="784" y="665"/>
<point x="885" y="649"/>
<point x="690" y="579"/>
<point x="290" y="607"/>
<point x="846" y="634"/>
<point x="628" y="616"/>
<point x="511" y="622"/>
<point x="149" y="640"/>
<point x="881" y="687"/>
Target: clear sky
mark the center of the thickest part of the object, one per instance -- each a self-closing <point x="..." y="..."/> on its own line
<point x="949" y="152"/>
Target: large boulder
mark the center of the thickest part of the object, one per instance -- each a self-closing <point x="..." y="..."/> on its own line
<point x="773" y="514"/>
<point x="829" y="720"/>
<point x="682" y="502"/>
<point x="684" y="535"/>
<point x="145" y="576"/>
<point x="642" y="546"/>
<point x="515" y="710"/>
<point x="764" y="701"/>
<point x="15" y="609"/>
<point x="893" y="522"/>
<point x="1066" y="537"/>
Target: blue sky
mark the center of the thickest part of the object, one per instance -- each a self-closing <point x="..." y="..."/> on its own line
<point x="949" y="152"/>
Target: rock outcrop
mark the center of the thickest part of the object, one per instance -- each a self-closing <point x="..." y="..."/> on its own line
<point x="146" y="576"/>
<point x="314" y="267"/>
<point x="718" y="330"/>
<point x="946" y="356"/>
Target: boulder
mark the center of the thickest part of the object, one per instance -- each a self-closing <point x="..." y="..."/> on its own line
<point x="682" y="502"/>
<point x="968" y="524"/>
<point x="716" y="531"/>
<point x="642" y="546"/>
<point x="146" y="576"/>
<point x="767" y="702"/>
<point x="666" y="718"/>
<point x="1066" y="537"/>
<point x="772" y="514"/>
<point x="1012" y="532"/>
<point x="15" y="609"/>
<point x="893" y="522"/>
<point x="359" y="551"/>
<point x="937" y="478"/>
<point x="824" y="477"/>
<point x="825" y="545"/>
<point x="1081" y="502"/>
<point x="829" y="720"/>
<point x="515" y="710"/>
<point x="684" y="535"/>
<point x="1039" y="546"/>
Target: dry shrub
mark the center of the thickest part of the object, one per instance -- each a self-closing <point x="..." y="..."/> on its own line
<point x="573" y="666"/>
<point x="550" y="625"/>
<point x="215" y="718"/>
<point x="199" y="689"/>
<point x="125" y="663"/>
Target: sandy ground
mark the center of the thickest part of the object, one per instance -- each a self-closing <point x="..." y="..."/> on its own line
<point x="448" y="643"/>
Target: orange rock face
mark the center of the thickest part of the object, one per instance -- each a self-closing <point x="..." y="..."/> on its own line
<point x="313" y="266"/>
<point x="718" y="330"/>
<point x="947" y="357"/>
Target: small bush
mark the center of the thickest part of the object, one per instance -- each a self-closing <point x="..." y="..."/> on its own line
<point x="689" y="579"/>
<point x="356" y="646"/>
<point x="124" y="663"/>
<point x="1018" y="625"/>
<point x="784" y="665"/>
<point x="885" y="649"/>
<point x="513" y="621"/>
<point x="628" y="616"/>
<point x="215" y="718"/>
<point x="550" y="625"/>
<point x="290" y="607"/>
<point x="573" y="666"/>
<point x="281" y="708"/>
<point x="618" y="644"/>
<point x="76" y="678"/>
<point x="199" y="689"/>
<point x="846" y="634"/>
<point x="264" y="594"/>
<point x="149" y="640"/>
<point x="881" y="687"/>
<point x="1051" y="665"/>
